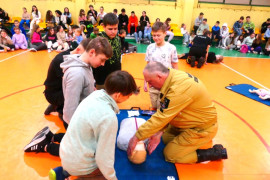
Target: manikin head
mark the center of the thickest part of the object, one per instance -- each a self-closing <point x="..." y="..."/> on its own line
<point x="138" y="156"/>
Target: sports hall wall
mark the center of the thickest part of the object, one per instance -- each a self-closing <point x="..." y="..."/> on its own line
<point x="181" y="11"/>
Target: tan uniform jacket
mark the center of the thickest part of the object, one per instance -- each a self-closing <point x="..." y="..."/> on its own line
<point x="185" y="103"/>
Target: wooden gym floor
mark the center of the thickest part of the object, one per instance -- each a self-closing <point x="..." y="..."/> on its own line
<point x="243" y="123"/>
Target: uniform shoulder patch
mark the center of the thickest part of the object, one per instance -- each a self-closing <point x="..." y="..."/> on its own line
<point x="164" y="104"/>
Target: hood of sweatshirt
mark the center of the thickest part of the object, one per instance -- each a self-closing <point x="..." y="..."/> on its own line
<point x="225" y="24"/>
<point x="73" y="60"/>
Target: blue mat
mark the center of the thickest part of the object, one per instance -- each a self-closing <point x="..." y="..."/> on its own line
<point x="243" y="90"/>
<point x="154" y="168"/>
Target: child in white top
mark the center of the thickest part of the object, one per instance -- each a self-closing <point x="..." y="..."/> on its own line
<point x="185" y="34"/>
<point x="160" y="51"/>
<point x="36" y="16"/>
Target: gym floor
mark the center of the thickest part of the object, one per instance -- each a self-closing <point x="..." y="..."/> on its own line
<point x="243" y="123"/>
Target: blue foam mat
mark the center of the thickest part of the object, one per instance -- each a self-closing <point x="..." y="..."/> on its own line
<point x="154" y="168"/>
<point x="243" y="90"/>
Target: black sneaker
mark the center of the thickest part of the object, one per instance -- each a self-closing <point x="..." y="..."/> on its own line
<point x="192" y="61"/>
<point x="50" y="108"/>
<point x="38" y="144"/>
<point x="200" y="62"/>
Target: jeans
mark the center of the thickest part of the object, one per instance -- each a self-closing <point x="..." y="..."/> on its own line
<point x="170" y="34"/>
<point x="147" y="35"/>
<point x="136" y="36"/>
<point x="27" y="22"/>
<point x="186" y="38"/>
<point x="238" y="31"/>
<point x="258" y="49"/>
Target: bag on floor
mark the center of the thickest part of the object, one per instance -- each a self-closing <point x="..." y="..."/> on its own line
<point x="244" y="48"/>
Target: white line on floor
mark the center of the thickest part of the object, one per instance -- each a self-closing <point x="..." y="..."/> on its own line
<point x="15" y="55"/>
<point x="245" y="76"/>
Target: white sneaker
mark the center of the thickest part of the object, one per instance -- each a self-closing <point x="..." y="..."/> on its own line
<point x="49" y="50"/>
<point x="33" y="50"/>
<point x="255" y="52"/>
<point x="261" y="53"/>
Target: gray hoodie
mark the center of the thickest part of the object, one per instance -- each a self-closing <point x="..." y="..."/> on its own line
<point x="89" y="142"/>
<point x="78" y="83"/>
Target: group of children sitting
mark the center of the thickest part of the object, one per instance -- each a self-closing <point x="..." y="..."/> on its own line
<point x="243" y="37"/>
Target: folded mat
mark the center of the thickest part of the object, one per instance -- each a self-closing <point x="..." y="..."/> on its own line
<point x="155" y="167"/>
<point x="243" y="89"/>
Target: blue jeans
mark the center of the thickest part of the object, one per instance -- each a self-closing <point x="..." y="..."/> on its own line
<point x="27" y="22"/>
<point x="186" y="38"/>
<point x="238" y="31"/>
<point x="258" y="49"/>
<point x="136" y="36"/>
<point x="147" y="35"/>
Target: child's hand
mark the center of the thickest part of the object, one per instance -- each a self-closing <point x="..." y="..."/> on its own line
<point x="8" y="48"/>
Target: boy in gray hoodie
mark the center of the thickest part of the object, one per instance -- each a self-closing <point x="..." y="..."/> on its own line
<point x="78" y="83"/>
<point x="88" y="147"/>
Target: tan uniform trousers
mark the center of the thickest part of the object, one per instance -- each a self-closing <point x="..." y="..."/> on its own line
<point x="181" y="144"/>
<point x="154" y="97"/>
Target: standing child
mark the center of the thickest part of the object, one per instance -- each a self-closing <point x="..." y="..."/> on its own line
<point x="185" y="34"/>
<point x="160" y="51"/>
<point x="25" y="18"/>
<point x="19" y="39"/>
<point x="5" y="42"/>
<point x="36" y="41"/>
<point x="61" y="36"/>
<point x="95" y="33"/>
<point x="110" y="25"/>
<point x="51" y="40"/>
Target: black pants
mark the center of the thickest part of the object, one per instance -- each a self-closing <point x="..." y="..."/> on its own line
<point x="195" y="29"/>
<point x="215" y="36"/>
<point x="56" y="98"/>
<point x="266" y="52"/>
<point x="197" y="52"/>
<point x="53" y="148"/>
<point x="12" y="46"/>
<point x="39" y="46"/>
<point x="123" y="27"/>
<point x="250" y="31"/>
<point x="132" y="30"/>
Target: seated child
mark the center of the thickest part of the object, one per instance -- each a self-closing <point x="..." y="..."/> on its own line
<point x="95" y="33"/>
<point x="256" y="45"/>
<point x="61" y="36"/>
<point x="124" y="45"/>
<point x="228" y="42"/>
<point x="19" y="39"/>
<point x="238" y="42"/>
<point x="36" y="40"/>
<point x="147" y="32"/>
<point x="266" y="50"/>
<point x="78" y="38"/>
<point x="185" y="34"/>
<point x="6" y="43"/>
<point x="192" y="36"/>
<point x="89" y="26"/>
<point x="216" y="32"/>
<point x="51" y="40"/>
<point x="17" y="24"/>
